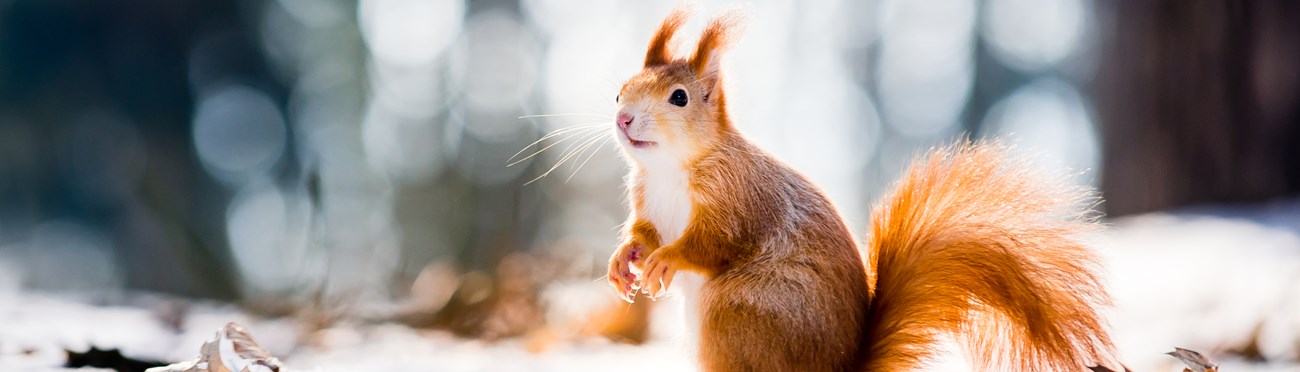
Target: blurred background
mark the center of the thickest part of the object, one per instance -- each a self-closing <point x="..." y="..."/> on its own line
<point x="345" y="162"/>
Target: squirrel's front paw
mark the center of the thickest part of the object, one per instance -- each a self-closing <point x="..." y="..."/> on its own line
<point x="620" y="270"/>
<point x="658" y="272"/>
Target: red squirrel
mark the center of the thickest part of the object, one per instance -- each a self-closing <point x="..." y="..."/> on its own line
<point x="969" y="243"/>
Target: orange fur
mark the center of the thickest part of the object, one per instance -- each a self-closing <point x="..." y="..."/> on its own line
<point x="661" y="46"/>
<point x="970" y="243"/>
<point x="975" y="244"/>
<point x="706" y="61"/>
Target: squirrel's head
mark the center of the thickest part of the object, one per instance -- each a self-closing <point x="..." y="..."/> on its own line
<point x="674" y="109"/>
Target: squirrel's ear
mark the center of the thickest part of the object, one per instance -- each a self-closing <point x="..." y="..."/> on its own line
<point x="706" y="63"/>
<point x="660" y="51"/>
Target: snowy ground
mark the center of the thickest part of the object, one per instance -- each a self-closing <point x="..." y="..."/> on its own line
<point x="1210" y="279"/>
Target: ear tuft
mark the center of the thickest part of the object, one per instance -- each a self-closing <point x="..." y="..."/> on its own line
<point x="718" y="35"/>
<point x="660" y="51"/>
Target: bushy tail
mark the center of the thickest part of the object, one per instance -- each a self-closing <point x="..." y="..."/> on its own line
<point x="973" y="244"/>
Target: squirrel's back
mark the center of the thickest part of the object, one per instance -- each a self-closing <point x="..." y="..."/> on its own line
<point x="793" y="295"/>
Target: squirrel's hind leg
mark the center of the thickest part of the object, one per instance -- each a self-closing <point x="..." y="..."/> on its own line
<point x="771" y="323"/>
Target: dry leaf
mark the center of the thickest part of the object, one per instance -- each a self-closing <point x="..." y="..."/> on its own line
<point x="1107" y="369"/>
<point x="231" y="350"/>
<point x="1195" y="361"/>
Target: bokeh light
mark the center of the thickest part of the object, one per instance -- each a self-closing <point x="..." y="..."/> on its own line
<point x="71" y="257"/>
<point x="409" y="32"/>
<point x="1051" y="120"/>
<point x="1034" y="34"/>
<point x="925" y="68"/>
<point x="238" y="131"/>
<point x="403" y="147"/>
<point x="268" y="235"/>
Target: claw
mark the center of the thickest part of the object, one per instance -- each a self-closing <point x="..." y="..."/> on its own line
<point x="669" y="273"/>
<point x="620" y="274"/>
<point x="656" y="277"/>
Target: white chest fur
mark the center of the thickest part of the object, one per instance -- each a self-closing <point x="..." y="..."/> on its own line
<point x="667" y="202"/>
<point x="668" y="206"/>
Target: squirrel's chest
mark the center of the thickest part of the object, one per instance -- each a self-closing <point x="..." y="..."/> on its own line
<point x="667" y="203"/>
<point x="668" y="206"/>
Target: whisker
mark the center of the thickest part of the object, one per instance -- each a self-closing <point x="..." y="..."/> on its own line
<point x="584" y="161"/>
<point x="562" y="140"/>
<point x="578" y="155"/>
<point x="568" y="154"/>
<point x="581" y="148"/>
<point x="579" y="125"/>
<point x="543" y="149"/>
<point x="549" y="135"/>
<point x="575" y="146"/>
<point x="594" y="146"/>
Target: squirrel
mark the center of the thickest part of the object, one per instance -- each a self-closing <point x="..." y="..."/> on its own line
<point x="970" y="243"/>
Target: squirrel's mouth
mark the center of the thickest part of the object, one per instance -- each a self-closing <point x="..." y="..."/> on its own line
<point x="638" y="143"/>
<point x="641" y="144"/>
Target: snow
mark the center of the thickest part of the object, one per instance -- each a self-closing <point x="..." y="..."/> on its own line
<point x="1205" y="282"/>
<point x="1207" y="279"/>
<point x="46" y="324"/>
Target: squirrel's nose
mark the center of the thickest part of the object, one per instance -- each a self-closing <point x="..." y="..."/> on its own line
<point x="624" y="120"/>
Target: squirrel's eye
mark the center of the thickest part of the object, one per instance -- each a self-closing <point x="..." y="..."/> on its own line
<point x="616" y="97"/>
<point x="678" y="98"/>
